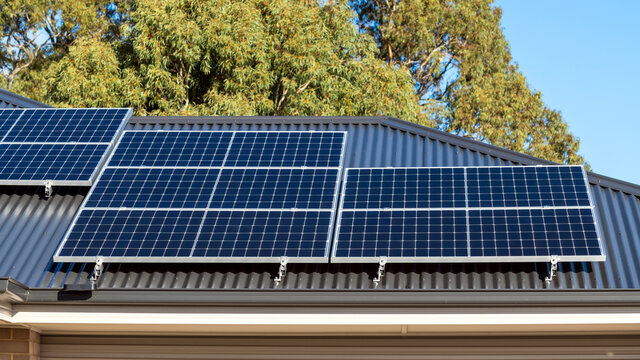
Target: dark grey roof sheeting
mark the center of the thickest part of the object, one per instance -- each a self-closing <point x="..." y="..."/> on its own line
<point x="11" y="100"/>
<point x="31" y="227"/>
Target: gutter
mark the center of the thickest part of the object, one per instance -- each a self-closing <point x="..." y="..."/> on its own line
<point x="12" y="291"/>
<point x="337" y="298"/>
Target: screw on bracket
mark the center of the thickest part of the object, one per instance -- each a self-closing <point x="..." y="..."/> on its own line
<point x="282" y="271"/>
<point x="381" y="267"/>
<point x="48" y="189"/>
<point x="97" y="272"/>
<point x="553" y="271"/>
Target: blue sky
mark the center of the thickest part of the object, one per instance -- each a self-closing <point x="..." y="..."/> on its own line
<point x="584" y="56"/>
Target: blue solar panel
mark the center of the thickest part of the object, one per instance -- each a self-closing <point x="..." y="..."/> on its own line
<point x="171" y="148"/>
<point x="467" y="214"/>
<point x="524" y="186"/>
<point x="533" y="232"/>
<point x="273" y="149"/>
<point x="264" y="234"/>
<point x="67" y="125"/>
<point x="8" y="118"/>
<point x="259" y="208"/>
<point x="61" y="146"/>
<point x="398" y="233"/>
<point x="26" y="162"/>
<point x="133" y="233"/>
<point x="266" y="188"/>
<point x="404" y="188"/>
<point x="153" y="188"/>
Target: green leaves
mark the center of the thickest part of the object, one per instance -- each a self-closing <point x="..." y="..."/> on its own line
<point x="464" y="77"/>
<point x="435" y="62"/>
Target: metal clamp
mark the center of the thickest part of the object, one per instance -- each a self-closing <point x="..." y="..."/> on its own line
<point x="554" y="270"/>
<point x="48" y="189"/>
<point x="381" y="267"/>
<point x="282" y="271"/>
<point x="97" y="272"/>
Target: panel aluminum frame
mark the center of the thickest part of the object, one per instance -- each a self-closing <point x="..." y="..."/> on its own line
<point x="468" y="258"/>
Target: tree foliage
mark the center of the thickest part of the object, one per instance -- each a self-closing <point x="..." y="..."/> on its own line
<point x="464" y="76"/>
<point x="232" y="58"/>
<point x="436" y="62"/>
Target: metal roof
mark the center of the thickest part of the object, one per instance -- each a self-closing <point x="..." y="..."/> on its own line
<point x="31" y="227"/>
<point x="11" y="100"/>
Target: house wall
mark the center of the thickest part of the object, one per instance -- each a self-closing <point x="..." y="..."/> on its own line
<point x="596" y="346"/>
<point x="19" y="344"/>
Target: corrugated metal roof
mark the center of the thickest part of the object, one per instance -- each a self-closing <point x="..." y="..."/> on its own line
<point x="11" y="100"/>
<point x="31" y="226"/>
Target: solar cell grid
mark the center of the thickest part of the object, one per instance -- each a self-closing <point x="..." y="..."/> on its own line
<point x="537" y="232"/>
<point x="527" y="186"/>
<point x="402" y="233"/>
<point x="133" y="233"/>
<point x="264" y="234"/>
<point x="226" y="184"/>
<point x="36" y="162"/>
<point x="404" y="188"/>
<point x="273" y="149"/>
<point x="502" y="214"/>
<point x="67" y="125"/>
<point x="8" y="118"/>
<point x="171" y="148"/>
<point x="266" y="188"/>
<point x="153" y="188"/>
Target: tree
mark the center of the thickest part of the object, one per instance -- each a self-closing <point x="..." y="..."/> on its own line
<point x="435" y="62"/>
<point x="232" y="58"/>
<point x="463" y="73"/>
<point x="36" y="30"/>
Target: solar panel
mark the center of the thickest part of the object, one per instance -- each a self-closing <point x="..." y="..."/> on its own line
<point x="67" y="125"/>
<point x="533" y="232"/>
<point x="402" y="233"/>
<point x="248" y="207"/>
<point x="171" y="148"/>
<point x="405" y="188"/>
<point x="32" y="163"/>
<point x="276" y="148"/>
<point x="58" y="146"/>
<point x="132" y="233"/>
<point x="8" y="118"/>
<point x="268" y="235"/>
<point x="153" y="188"/>
<point x="466" y="214"/>
<point x="267" y="188"/>
<point x="523" y="186"/>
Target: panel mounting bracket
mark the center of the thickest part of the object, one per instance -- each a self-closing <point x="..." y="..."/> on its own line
<point x="48" y="189"/>
<point x="282" y="271"/>
<point x="97" y="272"/>
<point x="382" y="262"/>
<point x="553" y="271"/>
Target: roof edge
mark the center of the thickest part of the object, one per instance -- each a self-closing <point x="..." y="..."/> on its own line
<point x="347" y="298"/>
<point x="21" y="101"/>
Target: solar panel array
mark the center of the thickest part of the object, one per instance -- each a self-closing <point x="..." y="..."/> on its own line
<point x="63" y="146"/>
<point x="200" y="196"/>
<point x="466" y="214"/>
